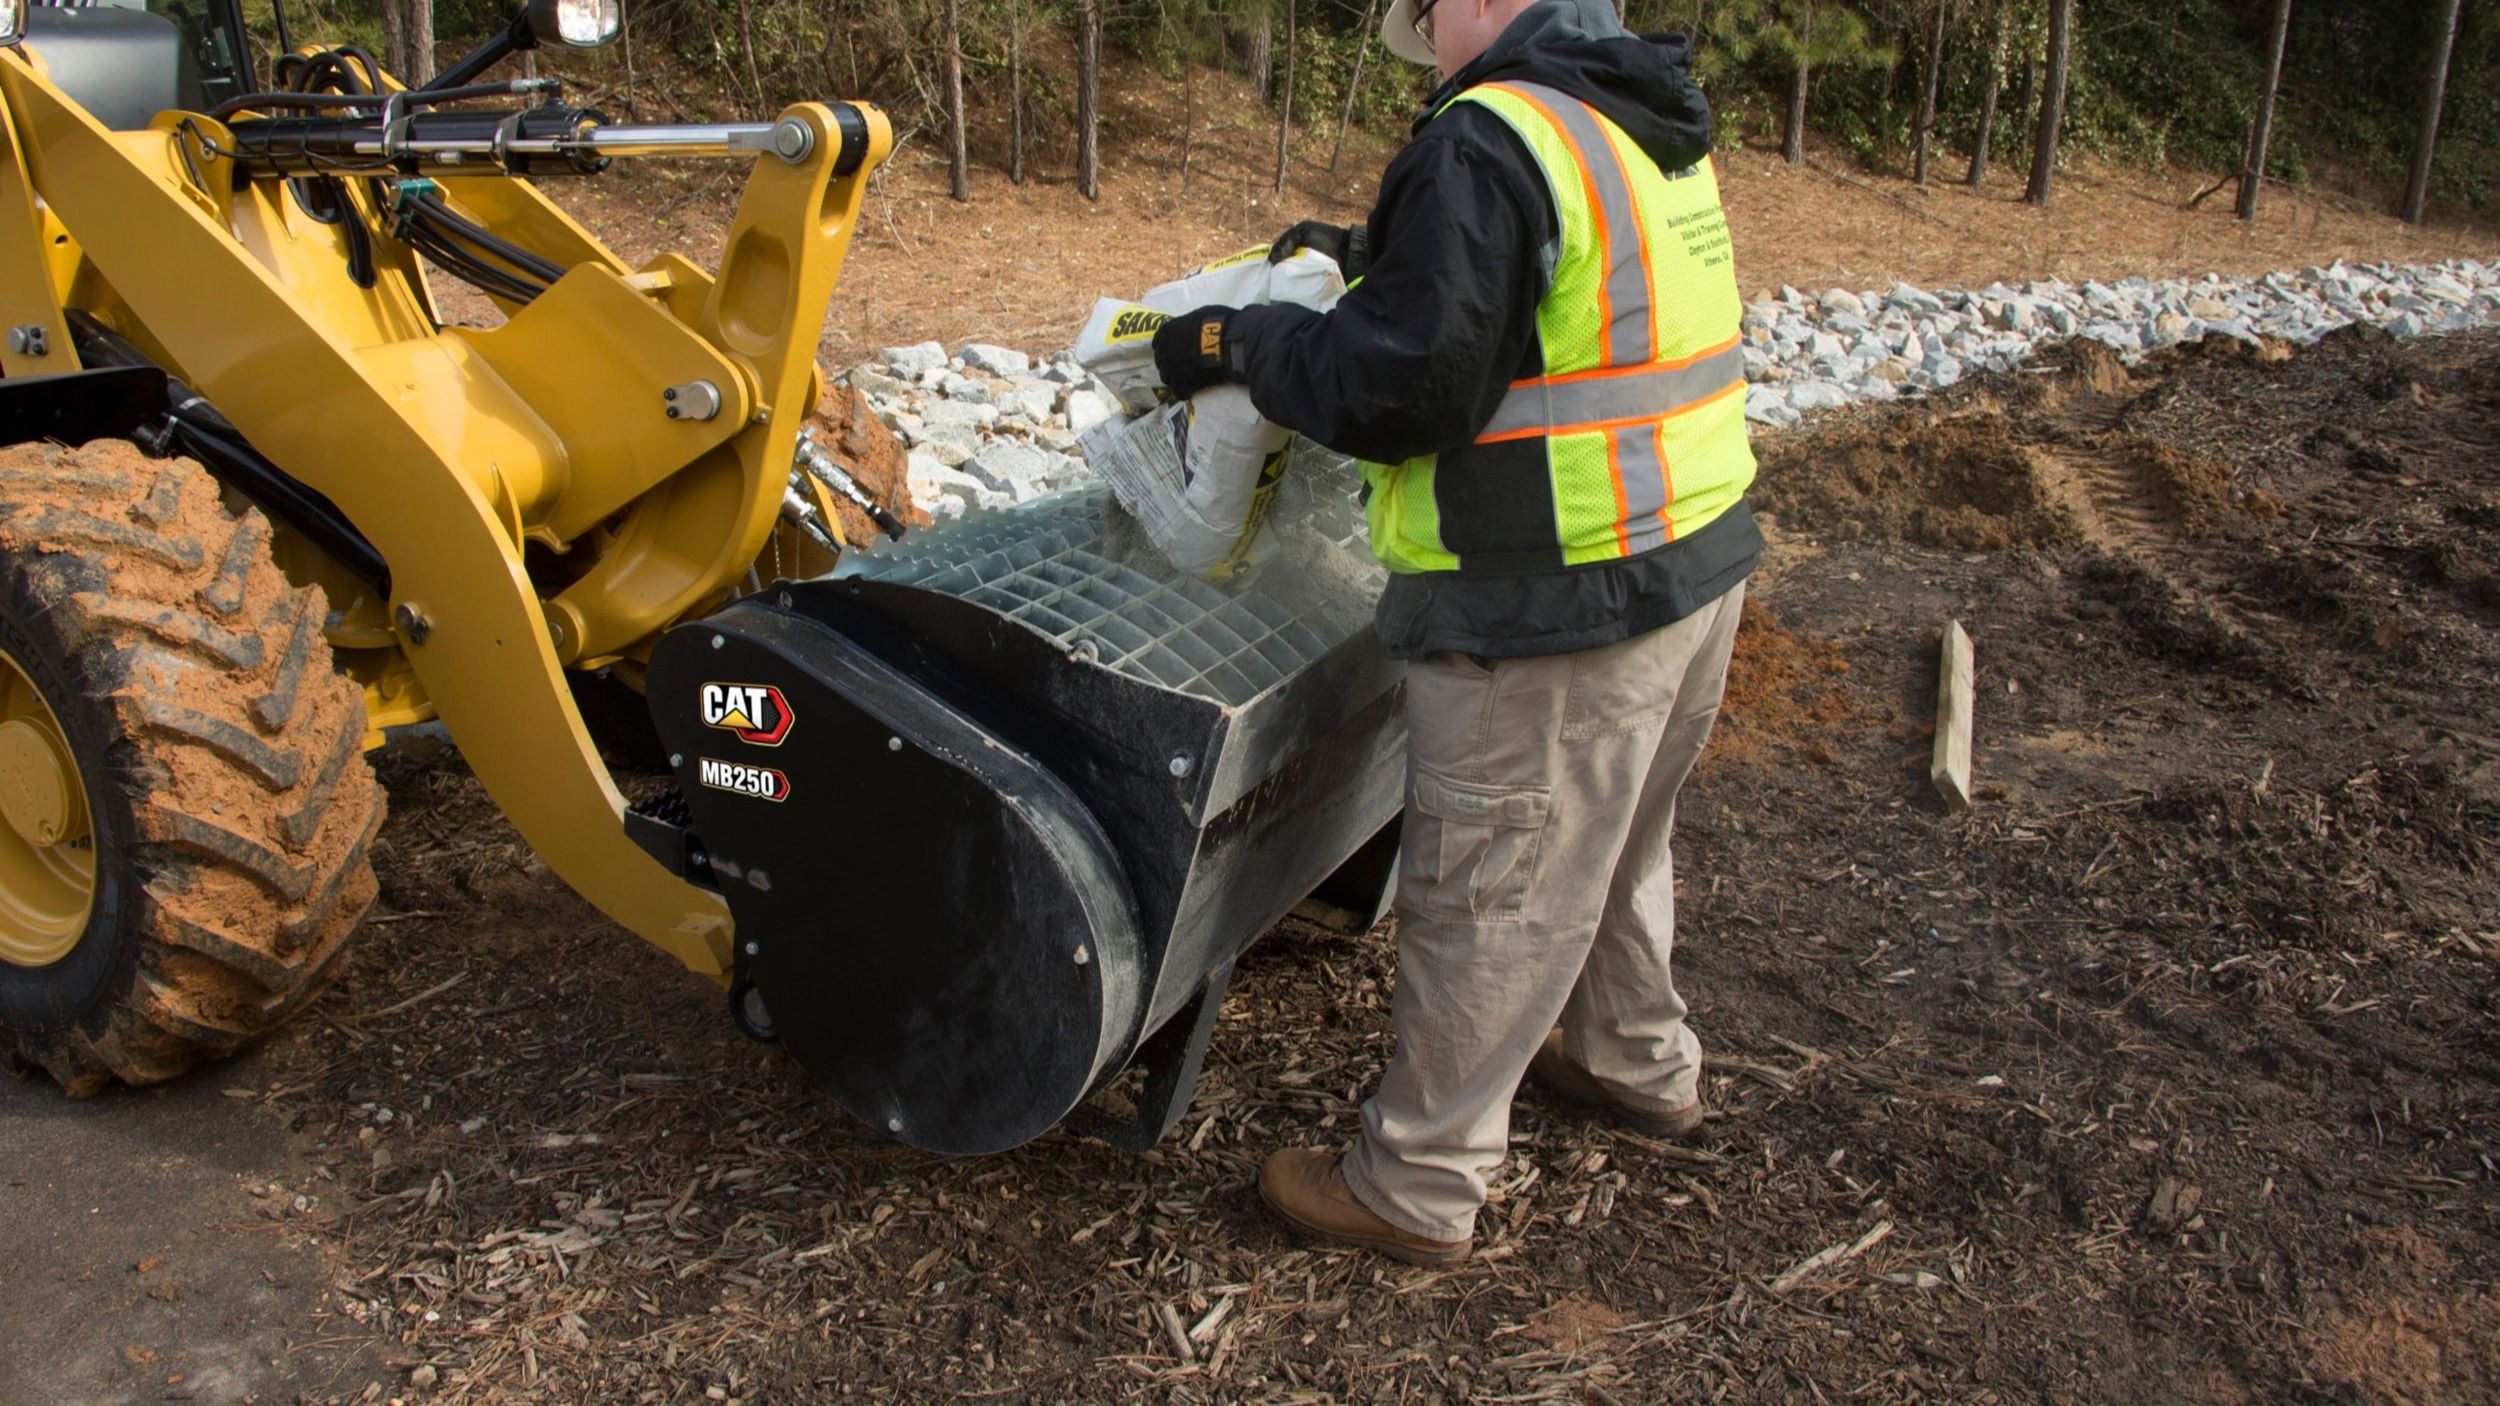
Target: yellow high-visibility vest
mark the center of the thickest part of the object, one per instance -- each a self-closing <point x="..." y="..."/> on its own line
<point x="1634" y="434"/>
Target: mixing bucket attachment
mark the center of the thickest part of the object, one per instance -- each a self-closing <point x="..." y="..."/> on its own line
<point x="995" y="808"/>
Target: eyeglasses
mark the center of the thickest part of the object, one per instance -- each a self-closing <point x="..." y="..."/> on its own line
<point x="1423" y="19"/>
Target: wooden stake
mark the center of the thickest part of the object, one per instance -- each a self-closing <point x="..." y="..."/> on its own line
<point x="1956" y="700"/>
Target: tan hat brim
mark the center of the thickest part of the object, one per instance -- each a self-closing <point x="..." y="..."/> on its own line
<point x="1397" y="32"/>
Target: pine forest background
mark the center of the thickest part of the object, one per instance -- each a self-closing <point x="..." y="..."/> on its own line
<point x="2153" y="82"/>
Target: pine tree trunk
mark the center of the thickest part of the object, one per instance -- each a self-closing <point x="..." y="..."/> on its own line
<point x="1354" y="85"/>
<point x="1189" y="116"/>
<point x="746" y="47"/>
<point x="1258" y="63"/>
<point x="1284" y="108"/>
<point x="2434" y="92"/>
<point x="1015" y="93"/>
<point x="2052" y="101"/>
<point x="395" y="55"/>
<point x="1088" y="98"/>
<point x="1990" y="84"/>
<point x="1793" y="141"/>
<point x="625" y="36"/>
<point x="1927" y="93"/>
<point x="421" y="31"/>
<point x="2262" y="134"/>
<point x="958" y="154"/>
<point x="408" y="40"/>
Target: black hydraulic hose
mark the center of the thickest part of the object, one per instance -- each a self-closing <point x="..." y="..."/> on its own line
<point x="413" y="98"/>
<point x="301" y="506"/>
<point x="544" y="270"/>
<point x="466" y="267"/>
<point x="213" y="439"/>
<point x="516" y="36"/>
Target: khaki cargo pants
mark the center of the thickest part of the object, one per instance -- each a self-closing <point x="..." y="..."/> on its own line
<point x="1535" y="887"/>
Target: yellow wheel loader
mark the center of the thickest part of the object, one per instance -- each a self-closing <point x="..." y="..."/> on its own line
<point x="260" y="504"/>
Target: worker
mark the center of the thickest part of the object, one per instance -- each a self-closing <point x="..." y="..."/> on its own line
<point x="1538" y="361"/>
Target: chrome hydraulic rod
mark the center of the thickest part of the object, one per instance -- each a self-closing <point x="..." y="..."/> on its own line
<point x="548" y="140"/>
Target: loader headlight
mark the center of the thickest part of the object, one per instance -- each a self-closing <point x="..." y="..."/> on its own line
<point x="576" y="24"/>
<point x="12" y="21"/>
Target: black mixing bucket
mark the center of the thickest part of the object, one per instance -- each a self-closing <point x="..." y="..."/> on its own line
<point x="995" y="808"/>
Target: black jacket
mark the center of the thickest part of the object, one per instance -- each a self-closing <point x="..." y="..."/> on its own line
<point x="1413" y="360"/>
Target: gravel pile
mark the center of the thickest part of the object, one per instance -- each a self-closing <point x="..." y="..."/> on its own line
<point x="990" y="427"/>
<point x="1806" y="352"/>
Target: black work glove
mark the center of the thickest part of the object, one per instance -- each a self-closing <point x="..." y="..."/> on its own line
<point x="1190" y="353"/>
<point x="1349" y="245"/>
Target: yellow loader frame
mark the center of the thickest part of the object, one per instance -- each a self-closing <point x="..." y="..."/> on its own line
<point x="539" y="509"/>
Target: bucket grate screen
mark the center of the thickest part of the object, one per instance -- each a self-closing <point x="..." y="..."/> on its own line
<point x="1070" y="567"/>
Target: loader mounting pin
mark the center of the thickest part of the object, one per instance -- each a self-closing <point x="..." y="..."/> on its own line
<point x="894" y="744"/>
<point x="413" y="622"/>
<point x="720" y="641"/>
<point x="793" y="140"/>
<point x="30" y="340"/>
<point x="695" y="400"/>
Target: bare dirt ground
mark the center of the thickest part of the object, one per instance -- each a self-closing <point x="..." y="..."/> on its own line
<point x="2167" y="1073"/>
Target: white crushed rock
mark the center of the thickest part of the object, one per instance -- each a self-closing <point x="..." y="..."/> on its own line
<point x="991" y="426"/>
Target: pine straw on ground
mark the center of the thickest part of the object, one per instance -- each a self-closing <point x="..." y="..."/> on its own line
<point x="2167" y="1073"/>
<point x="1020" y="265"/>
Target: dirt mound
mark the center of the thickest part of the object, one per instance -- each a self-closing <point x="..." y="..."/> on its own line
<point x="2046" y="458"/>
<point x="1962" y="482"/>
<point x="1785" y="697"/>
<point x="2409" y="1332"/>
<point x="853" y="437"/>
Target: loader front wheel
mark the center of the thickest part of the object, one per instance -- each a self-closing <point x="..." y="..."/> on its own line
<point x="186" y="816"/>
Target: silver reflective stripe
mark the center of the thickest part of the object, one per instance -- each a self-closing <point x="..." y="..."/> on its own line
<point x="1631" y="395"/>
<point x="1644" y="487"/>
<point x="1627" y="277"/>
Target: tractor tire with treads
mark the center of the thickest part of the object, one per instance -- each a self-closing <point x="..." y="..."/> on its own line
<point x="226" y="797"/>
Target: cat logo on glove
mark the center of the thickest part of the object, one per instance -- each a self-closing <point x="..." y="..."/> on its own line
<point x="763" y="782"/>
<point x="756" y="712"/>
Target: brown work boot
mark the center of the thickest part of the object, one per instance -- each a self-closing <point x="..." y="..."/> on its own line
<point x="1307" y="1186"/>
<point x="1558" y="1073"/>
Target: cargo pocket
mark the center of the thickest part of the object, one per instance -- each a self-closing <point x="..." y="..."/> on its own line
<point x="1474" y="848"/>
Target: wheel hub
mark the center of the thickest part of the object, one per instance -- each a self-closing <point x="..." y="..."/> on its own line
<point x="47" y="851"/>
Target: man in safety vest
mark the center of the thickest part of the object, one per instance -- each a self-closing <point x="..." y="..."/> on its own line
<point x="1539" y="363"/>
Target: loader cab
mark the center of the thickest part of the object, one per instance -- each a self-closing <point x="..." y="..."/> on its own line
<point x="125" y="61"/>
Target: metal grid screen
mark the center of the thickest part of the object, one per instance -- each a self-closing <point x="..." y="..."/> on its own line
<point x="1059" y="566"/>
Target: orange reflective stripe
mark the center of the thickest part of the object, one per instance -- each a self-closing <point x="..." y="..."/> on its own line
<point x="1649" y="275"/>
<point x="1623" y="503"/>
<point x="1596" y="207"/>
<point x="1617" y="395"/>
<point x="1600" y="373"/>
<point x="1591" y="426"/>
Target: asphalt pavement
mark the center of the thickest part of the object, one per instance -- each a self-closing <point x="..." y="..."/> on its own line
<point x="138" y="1258"/>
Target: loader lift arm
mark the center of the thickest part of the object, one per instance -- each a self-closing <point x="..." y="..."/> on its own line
<point x="449" y="451"/>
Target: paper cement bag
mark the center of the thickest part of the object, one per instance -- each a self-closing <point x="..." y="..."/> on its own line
<point x="1197" y="476"/>
<point x="1117" y="343"/>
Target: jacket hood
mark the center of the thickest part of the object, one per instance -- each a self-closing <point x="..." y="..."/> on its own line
<point x="1643" y="83"/>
